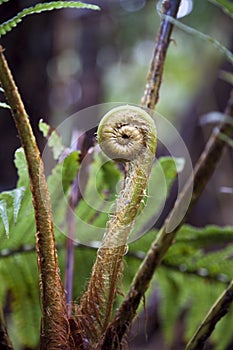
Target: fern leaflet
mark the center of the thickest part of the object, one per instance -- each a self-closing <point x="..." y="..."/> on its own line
<point x="53" y="5"/>
<point x="2" y="1"/>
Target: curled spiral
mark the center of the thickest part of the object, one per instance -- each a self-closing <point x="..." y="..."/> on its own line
<point x="126" y="132"/>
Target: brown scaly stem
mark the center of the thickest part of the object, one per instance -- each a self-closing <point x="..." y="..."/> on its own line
<point x="55" y="332"/>
<point x="128" y="134"/>
<point x="114" y="334"/>
<point x="203" y="171"/>
<point x="205" y="167"/>
<point x="154" y="77"/>
<point x="5" y="342"/>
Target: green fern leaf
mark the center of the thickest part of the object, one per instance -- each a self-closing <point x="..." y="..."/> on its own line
<point x="16" y="197"/>
<point x="4" y="105"/>
<point x="54" y="140"/>
<point x="220" y="342"/>
<point x="225" y="5"/>
<point x="19" y="277"/>
<point x="2" y="1"/>
<point x="18" y="271"/>
<point x="205" y="237"/>
<point x="21" y="165"/>
<point x="4" y="216"/>
<point x="192" y="275"/>
<point x="41" y="7"/>
<point x="189" y="254"/>
<point x="59" y="183"/>
<point x="201" y="294"/>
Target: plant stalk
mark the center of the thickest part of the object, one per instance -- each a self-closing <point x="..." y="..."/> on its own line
<point x="217" y="311"/>
<point x="154" y="77"/>
<point x="127" y="134"/>
<point x="54" y="327"/>
<point x="204" y="169"/>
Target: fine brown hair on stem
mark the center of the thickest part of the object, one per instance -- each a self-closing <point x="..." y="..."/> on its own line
<point x="203" y="170"/>
<point x="154" y="77"/>
<point x="55" y="330"/>
<point x="128" y="134"/>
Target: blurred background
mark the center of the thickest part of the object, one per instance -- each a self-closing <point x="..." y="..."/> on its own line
<point x="67" y="60"/>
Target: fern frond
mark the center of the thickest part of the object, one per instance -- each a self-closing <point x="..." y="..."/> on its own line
<point x="4" y="216"/>
<point x="19" y="277"/>
<point x="2" y="1"/>
<point x="205" y="237"/>
<point x="54" y="139"/>
<point x="16" y="212"/>
<point x="53" y="5"/>
<point x="10" y="203"/>
<point x="225" y="5"/>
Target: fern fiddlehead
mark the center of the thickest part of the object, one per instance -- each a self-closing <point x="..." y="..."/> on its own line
<point x="128" y="134"/>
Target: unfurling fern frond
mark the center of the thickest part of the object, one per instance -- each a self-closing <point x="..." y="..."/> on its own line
<point x="53" y="5"/>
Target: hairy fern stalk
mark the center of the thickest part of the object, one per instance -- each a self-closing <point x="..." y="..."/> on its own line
<point x="127" y="134"/>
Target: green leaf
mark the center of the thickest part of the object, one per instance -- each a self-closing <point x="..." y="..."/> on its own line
<point x="226" y="5"/>
<point x="192" y="275"/>
<point x="97" y="197"/>
<point x="17" y="196"/>
<point x="54" y="140"/>
<point x="205" y="237"/>
<point x="53" y="5"/>
<point x="59" y="183"/>
<point x="192" y="253"/>
<point x="44" y="128"/>
<point x="4" y="216"/>
<point x="13" y="200"/>
<point x="226" y="139"/>
<point x="226" y="76"/>
<point x="4" y="105"/>
<point x="2" y="1"/>
<point x="21" y="165"/>
<point x="19" y="277"/>
<point x="70" y="169"/>
<point x="215" y="43"/>
<point x="222" y="327"/>
<point x="18" y="262"/>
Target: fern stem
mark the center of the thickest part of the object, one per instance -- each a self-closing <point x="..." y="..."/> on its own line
<point x="217" y="311"/>
<point x="127" y="134"/>
<point x="192" y="31"/>
<point x="154" y="77"/>
<point x="204" y="168"/>
<point x="55" y="326"/>
<point x="122" y="320"/>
